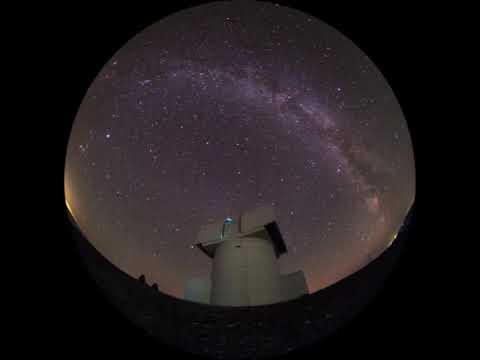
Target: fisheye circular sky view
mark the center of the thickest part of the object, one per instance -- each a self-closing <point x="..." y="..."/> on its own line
<point x="227" y="106"/>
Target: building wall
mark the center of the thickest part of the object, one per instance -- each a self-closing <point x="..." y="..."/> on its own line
<point x="229" y="271"/>
<point x="198" y="290"/>
<point x="245" y="272"/>
<point x="294" y="285"/>
<point x="264" y="279"/>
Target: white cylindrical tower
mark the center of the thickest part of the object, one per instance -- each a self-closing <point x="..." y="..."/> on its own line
<point x="245" y="272"/>
<point x="245" y="269"/>
<point x="229" y="275"/>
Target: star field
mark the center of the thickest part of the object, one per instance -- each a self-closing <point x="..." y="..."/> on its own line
<point x="227" y="106"/>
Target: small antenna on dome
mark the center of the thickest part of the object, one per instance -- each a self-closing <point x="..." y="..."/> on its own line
<point x="228" y="220"/>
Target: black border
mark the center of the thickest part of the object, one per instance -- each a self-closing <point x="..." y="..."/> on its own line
<point x="76" y="40"/>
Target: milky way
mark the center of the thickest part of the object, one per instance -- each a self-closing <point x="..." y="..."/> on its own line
<point x="227" y="106"/>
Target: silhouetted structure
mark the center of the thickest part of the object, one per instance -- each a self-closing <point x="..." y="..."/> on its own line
<point x="237" y="332"/>
<point x="245" y="269"/>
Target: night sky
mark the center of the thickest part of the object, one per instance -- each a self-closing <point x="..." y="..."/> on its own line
<point x="222" y="108"/>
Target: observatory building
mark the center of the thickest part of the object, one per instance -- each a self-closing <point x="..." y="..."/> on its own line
<point x="245" y="270"/>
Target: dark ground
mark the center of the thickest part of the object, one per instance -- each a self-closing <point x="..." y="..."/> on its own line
<point x="237" y="332"/>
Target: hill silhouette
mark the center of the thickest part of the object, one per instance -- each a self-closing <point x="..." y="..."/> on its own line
<point x="237" y="332"/>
